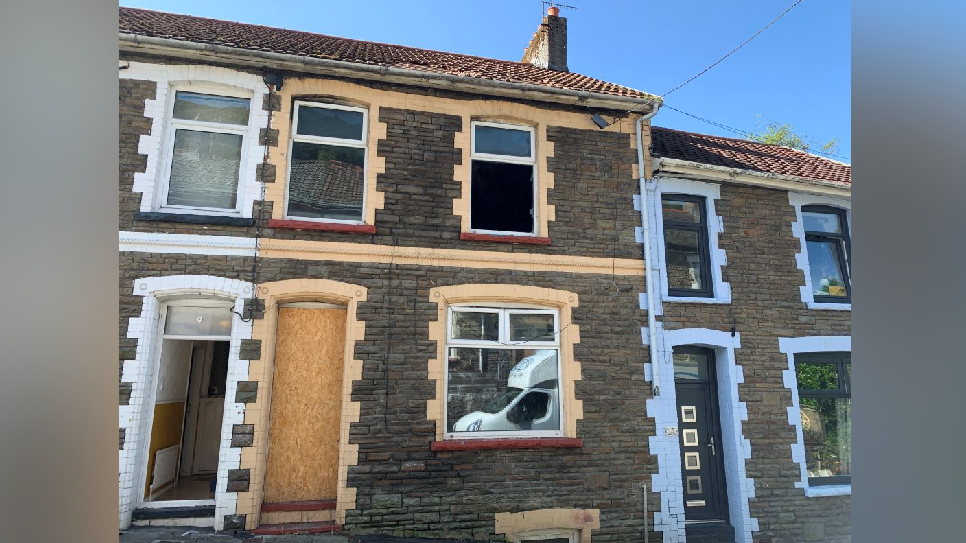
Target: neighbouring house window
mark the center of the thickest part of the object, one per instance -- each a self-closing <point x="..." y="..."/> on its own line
<point x="828" y="245"/>
<point x="502" y="372"/>
<point x="206" y="140"/>
<point x="824" y="397"/>
<point x="327" y="170"/>
<point x="503" y="183"/>
<point x="686" y="245"/>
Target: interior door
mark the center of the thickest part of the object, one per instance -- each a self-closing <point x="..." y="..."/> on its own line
<point x="699" y="432"/>
<point x="211" y="409"/>
<point x="306" y="412"/>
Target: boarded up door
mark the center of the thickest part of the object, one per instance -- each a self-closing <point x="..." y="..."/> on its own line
<point x="303" y="455"/>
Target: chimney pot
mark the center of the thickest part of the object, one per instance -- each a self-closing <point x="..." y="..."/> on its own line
<point x="553" y="11"/>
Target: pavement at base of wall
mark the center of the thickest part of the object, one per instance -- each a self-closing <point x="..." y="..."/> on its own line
<point x="182" y="534"/>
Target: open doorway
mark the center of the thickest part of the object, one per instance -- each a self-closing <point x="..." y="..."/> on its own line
<point x="183" y="453"/>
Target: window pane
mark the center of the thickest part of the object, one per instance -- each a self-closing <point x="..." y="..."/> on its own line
<point x="530" y="326"/>
<point x="502" y="141"/>
<point x="821" y="222"/>
<point x="204" y="169"/>
<point x="326" y="181"/>
<point x="823" y="262"/>
<point x="683" y="259"/>
<point x="827" y="431"/>
<point x="330" y="123"/>
<point x="502" y="197"/>
<point x="208" y="108"/>
<point x="502" y="390"/>
<point x="681" y="211"/>
<point x="690" y="366"/>
<point x="198" y="321"/>
<point x="475" y="325"/>
<point x="817" y="376"/>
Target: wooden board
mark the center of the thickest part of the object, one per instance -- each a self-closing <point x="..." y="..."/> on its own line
<point x="165" y="432"/>
<point x="303" y="454"/>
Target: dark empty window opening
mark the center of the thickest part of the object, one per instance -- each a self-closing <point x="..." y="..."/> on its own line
<point x="502" y="180"/>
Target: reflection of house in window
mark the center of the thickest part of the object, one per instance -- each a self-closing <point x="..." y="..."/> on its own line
<point x="329" y="188"/>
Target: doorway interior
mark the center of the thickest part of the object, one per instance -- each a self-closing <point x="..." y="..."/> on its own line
<point x="183" y="452"/>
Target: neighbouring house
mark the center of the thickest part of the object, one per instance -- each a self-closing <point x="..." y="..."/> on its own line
<point x="390" y="291"/>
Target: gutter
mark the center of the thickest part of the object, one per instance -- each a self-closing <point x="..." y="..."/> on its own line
<point x="297" y="63"/>
<point x="743" y="176"/>
<point x="649" y="280"/>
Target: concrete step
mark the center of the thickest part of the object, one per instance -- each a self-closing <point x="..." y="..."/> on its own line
<point x="297" y="528"/>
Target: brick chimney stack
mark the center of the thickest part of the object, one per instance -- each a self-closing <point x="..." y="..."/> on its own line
<point x="548" y="48"/>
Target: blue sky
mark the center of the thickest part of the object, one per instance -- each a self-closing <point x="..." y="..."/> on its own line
<point x="797" y="72"/>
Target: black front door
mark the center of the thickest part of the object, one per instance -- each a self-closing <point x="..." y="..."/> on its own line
<point x="699" y="432"/>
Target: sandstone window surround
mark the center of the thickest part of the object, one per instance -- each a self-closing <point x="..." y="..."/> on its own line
<point x="706" y="236"/>
<point x="810" y="210"/>
<point x="327" y="167"/>
<point x="503" y="179"/>
<point x="204" y="150"/>
<point x="512" y="346"/>
<point x="801" y="348"/>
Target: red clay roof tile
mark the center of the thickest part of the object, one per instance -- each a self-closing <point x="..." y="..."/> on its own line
<point x="748" y="155"/>
<point x="277" y="40"/>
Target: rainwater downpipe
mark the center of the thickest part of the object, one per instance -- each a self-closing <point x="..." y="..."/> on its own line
<point x="649" y="281"/>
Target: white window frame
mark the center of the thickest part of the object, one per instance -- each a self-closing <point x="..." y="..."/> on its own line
<point x="503" y="342"/>
<point x="167" y="153"/>
<point x="339" y="142"/>
<point x="802" y="345"/>
<point x="798" y="200"/>
<point x="720" y="290"/>
<point x="508" y="159"/>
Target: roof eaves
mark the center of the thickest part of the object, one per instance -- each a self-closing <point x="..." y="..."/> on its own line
<point x="753" y="177"/>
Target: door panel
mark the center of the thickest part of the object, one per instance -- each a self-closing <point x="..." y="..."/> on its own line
<point x="303" y="456"/>
<point x="699" y="432"/>
<point x="210" y="411"/>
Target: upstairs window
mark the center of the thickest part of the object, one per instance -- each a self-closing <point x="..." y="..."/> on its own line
<point x="206" y="139"/>
<point x="828" y="245"/>
<point x="503" y="182"/>
<point x="502" y="372"/>
<point x="825" y="400"/>
<point x="686" y="245"/>
<point x="327" y="171"/>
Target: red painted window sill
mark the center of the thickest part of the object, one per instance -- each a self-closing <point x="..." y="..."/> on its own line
<point x="508" y="443"/>
<point x="324" y="226"/>
<point x="528" y="240"/>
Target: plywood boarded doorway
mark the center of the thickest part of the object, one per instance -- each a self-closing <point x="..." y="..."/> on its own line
<point x="303" y="455"/>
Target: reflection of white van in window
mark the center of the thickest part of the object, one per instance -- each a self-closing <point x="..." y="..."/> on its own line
<point x="530" y="401"/>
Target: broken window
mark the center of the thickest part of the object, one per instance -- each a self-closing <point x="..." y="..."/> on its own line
<point x="686" y="245"/>
<point x="328" y="163"/>
<point x="502" y="371"/>
<point x="503" y="179"/>
<point x="206" y="137"/>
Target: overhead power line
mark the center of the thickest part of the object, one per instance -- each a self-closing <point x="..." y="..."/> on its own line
<point x="733" y="51"/>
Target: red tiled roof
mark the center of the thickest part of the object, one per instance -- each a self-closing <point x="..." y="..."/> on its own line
<point x="292" y="42"/>
<point x="747" y="155"/>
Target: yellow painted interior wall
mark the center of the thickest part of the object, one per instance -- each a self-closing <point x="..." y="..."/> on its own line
<point x="165" y="432"/>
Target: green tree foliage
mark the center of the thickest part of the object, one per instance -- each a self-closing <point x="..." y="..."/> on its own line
<point x="774" y="133"/>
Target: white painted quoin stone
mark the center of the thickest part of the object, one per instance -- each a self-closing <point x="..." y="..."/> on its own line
<point x="736" y="448"/>
<point x="797" y="200"/>
<point x="791" y="347"/>
<point x="136" y="417"/>
<point x="207" y="79"/>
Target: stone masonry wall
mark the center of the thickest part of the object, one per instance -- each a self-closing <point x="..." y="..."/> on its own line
<point x="766" y="304"/>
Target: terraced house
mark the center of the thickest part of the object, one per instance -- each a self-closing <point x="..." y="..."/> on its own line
<point x="390" y="291"/>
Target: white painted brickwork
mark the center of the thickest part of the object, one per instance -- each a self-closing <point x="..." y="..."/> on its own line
<point x="790" y="347"/>
<point x="135" y="418"/>
<point x="798" y="230"/>
<point x="168" y="76"/>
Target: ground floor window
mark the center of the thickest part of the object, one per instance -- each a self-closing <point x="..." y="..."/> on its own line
<point x="502" y="371"/>
<point x="825" y="400"/>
